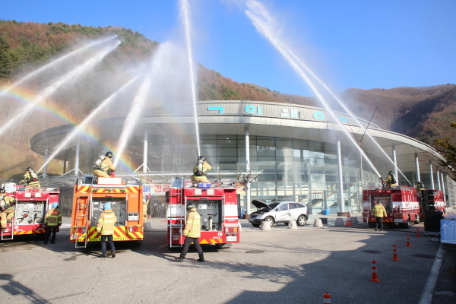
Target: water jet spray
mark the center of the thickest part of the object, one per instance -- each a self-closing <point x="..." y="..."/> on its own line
<point x="262" y="27"/>
<point x="185" y="12"/>
<point x="57" y="61"/>
<point x="73" y="74"/>
<point x="86" y="121"/>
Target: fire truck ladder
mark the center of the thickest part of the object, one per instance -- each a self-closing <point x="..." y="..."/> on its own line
<point x="13" y="219"/>
<point x="176" y="216"/>
<point x="10" y="229"/>
<point x="83" y="215"/>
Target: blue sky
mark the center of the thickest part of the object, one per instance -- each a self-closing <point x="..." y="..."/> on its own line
<point x="349" y="44"/>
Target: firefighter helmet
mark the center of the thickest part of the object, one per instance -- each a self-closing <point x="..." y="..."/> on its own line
<point x="190" y="206"/>
<point x="55" y="205"/>
<point x="391" y="173"/>
<point x="106" y="206"/>
<point x="108" y="154"/>
<point x="202" y="158"/>
<point x="29" y="169"/>
<point x="2" y="191"/>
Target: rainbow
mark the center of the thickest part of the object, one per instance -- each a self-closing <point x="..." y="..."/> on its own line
<point x="53" y="110"/>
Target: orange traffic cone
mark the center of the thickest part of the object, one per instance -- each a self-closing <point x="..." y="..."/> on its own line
<point x="408" y="241"/>
<point x="374" y="272"/>
<point x="417" y="233"/>
<point x="395" y="254"/>
<point x="349" y="220"/>
<point x="327" y="298"/>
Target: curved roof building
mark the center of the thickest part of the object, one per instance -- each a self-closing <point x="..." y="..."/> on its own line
<point x="303" y="155"/>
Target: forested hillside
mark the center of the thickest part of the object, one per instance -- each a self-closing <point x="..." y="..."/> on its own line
<point x="423" y="113"/>
<point x="26" y="46"/>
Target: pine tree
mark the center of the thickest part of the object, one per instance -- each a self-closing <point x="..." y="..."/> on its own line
<point x="5" y="58"/>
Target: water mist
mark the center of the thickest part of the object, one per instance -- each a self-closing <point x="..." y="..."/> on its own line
<point x="72" y="75"/>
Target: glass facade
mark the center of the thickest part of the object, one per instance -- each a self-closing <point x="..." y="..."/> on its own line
<point x="297" y="170"/>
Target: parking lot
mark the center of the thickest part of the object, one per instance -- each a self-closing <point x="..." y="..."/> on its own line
<point x="278" y="266"/>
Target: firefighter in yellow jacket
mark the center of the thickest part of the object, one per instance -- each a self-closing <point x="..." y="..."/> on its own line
<point x="192" y="232"/>
<point x="104" y="166"/>
<point x="105" y="227"/>
<point x="31" y="179"/>
<point x="390" y="180"/>
<point x="6" y="208"/>
<point x="379" y="212"/>
<point x="200" y="171"/>
<point x="53" y="220"/>
<point x="419" y="186"/>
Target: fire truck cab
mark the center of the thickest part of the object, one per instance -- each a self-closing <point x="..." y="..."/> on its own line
<point x="218" y="209"/>
<point x="29" y="209"/>
<point x="401" y="204"/>
<point x="126" y="198"/>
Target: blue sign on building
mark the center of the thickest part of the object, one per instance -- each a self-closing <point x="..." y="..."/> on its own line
<point x="448" y="231"/>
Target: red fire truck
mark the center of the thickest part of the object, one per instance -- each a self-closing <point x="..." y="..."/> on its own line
<point x="126" y="198"/>
<point x="401" y="203"/>
<point x="430" y="200"/>
<point x="29" y="211"/>
<point x="218" y="208"/>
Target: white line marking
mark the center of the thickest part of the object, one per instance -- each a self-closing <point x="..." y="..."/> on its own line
<point x="428" y="291"/>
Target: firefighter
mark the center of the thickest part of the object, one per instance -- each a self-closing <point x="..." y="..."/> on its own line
<point x="6" y="208"/>
<point x="53" y="220"/>
<point x="200" y="171"/>
<point x="30" y="179"/>
<point x="390" y="180"/>
<point x="192" y="232"/>
<point x="145" y="207"/>
<point x="104" y="166"/>
<point x="379" y="212"/>
<point x="419" y="186"/>
<point x="105" y="227"/>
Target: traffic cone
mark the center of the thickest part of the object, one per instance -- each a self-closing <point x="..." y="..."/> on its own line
<point x="408" y="241"/>
<point x="327" y="298"/>
<point x="417" y="233"/>
<point x="395" y="254"/>
<point x="349" y="220"/>
<point x="374" y="272"/>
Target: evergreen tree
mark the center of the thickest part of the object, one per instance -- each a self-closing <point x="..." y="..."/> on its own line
<point x="5" y="59"/>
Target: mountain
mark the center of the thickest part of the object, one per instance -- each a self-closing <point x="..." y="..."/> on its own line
<point x="423" y="112"/>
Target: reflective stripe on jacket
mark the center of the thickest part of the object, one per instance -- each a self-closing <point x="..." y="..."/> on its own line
<point x="53" y="218"/>
<point x="106" y="222"/>
<point x="379" y="211"/>
<point x="193" y="224"/>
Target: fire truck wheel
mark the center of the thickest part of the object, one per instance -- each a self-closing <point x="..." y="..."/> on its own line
<point x="270" y="220"/>
<point x="407" y="224"/>
<point x="135" y="243"/>
<point x="301" y="221"/>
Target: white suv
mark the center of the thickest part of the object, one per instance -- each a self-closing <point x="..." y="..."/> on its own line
<point x="278" y="212"/>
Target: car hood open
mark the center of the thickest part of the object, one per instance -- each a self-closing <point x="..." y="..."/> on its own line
<point x="260" y="204"/>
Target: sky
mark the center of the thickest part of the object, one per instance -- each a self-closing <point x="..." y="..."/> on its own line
<point x="348" y="44"/>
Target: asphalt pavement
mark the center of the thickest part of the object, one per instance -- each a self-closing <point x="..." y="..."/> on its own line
<point x="276" y="266"/>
